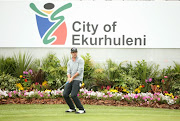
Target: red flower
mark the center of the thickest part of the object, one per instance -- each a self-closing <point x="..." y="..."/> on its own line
<point x="143" y="86"/>
<point x="162" y="81"/>
<point x="36" y="83"/>
<point x="25" y="80"/>
<point x="108" y="87"/>
<point x="102" y="87"/>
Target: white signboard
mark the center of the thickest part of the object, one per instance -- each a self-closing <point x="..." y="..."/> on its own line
<point x="111" y="24"/>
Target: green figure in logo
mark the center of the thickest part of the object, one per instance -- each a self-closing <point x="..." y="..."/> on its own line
<point x="53" y="17"/>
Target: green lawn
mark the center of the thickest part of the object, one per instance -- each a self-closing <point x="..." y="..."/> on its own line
<point x="47" y="112"/>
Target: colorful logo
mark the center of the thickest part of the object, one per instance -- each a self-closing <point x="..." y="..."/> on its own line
<point x="52" y="27"/>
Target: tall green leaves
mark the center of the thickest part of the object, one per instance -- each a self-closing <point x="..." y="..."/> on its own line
<point x="2" y="65"/>
<point x="35" y="65"/>
<point x="23" y="62"/>
<point x="111" y="70"/>
<point x="65" y="60"/>
<point x="143" y="71"/>
<point x="121" y="76"/>
<point x="176" y="67"/>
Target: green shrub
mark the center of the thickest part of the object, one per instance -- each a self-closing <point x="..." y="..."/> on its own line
<point x="100" y="79"/>
<point x="121" y="76"/>
<point x="128" y="82"/>
<point x="172" y="83"/>
<point x="2" y="67"/>
<point x="112" y="70"/>
<point x="55" y="74"/>
<point x="8" y="65"/>
<point x="175" y="83"/>
<point x="8" y="82"/>
<point x="88" y="71"/>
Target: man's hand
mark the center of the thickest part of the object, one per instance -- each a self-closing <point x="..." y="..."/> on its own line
<point x="70" y="80"/>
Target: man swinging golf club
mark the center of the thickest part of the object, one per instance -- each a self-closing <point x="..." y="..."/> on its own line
<point x="75" y="71"/>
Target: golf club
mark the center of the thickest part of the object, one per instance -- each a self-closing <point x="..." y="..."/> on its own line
<point x="63" y="85"/>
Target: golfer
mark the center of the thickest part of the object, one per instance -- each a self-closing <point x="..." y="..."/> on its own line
<point x="75" y="71"/>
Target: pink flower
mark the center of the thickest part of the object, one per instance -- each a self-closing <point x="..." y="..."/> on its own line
<point x="126" y="96"/>
<point x="30" y="71"/>
<point x="108" y="87"/>
<point x="105" y="96"/>
<point x="165" y="76"/>
<point x="10" y="95"/>
<point x="78" y="95"/>
<point x="157" y="93"/>
<point x="148" y="97"/>
<point x="151" y="98"/>
<point x="48" y="95"/>
<point x="14" y="92"/>
<point x="24" y="72"/>
<point x="110" y="95"/>
<point x="146" y="80"/>
<point x="144" y="98"/>
<point x="148" y="102"/>
<point x="150" y="79"/>
<point x="136" y="96"/>
<point x="158" y="99"/>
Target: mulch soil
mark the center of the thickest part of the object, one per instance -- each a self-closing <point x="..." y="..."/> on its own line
<point x="87" y="101"/>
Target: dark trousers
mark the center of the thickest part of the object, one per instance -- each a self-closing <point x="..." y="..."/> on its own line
<point x="72" y="88"/>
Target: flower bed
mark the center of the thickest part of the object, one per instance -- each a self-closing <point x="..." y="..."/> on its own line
<point x="91" y="97"/>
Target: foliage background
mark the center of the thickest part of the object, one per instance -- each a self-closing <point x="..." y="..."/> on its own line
<point x="50" y="73"/>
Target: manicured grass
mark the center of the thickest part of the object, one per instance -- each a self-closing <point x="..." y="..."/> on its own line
<point x="24" y="112"/>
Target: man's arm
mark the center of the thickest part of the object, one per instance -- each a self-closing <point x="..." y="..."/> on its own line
<point x="75" y="75"/>
<point x="81" y="66"/>
<point x="68" y="72"/>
